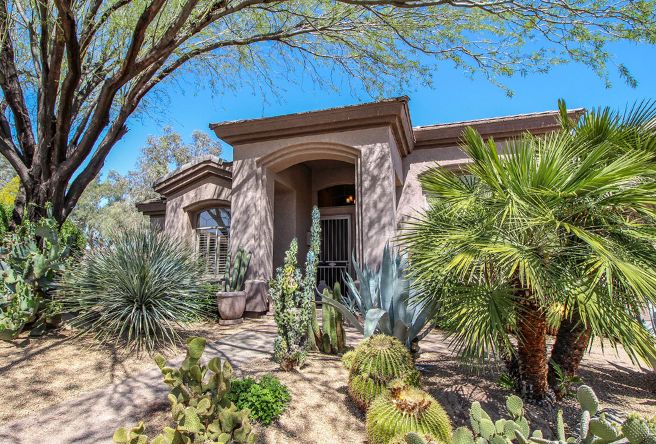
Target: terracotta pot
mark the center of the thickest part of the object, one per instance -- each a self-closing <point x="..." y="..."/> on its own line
<point x="231" y="306"/>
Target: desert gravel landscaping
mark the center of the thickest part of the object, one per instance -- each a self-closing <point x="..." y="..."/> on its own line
<point x="320" y="410"/>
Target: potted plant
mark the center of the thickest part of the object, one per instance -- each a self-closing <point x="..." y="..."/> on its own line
<point x="231" y="300"/>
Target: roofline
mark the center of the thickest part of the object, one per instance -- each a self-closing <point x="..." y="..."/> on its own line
<point x="389" y="112"/>
<point x="152" y="208"/>
<point x="198" y="169"/>
<point x="500" y="128"/>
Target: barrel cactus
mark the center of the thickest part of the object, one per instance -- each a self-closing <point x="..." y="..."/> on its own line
<point x="375" y="362"/>
<point x="414" y="438"/>
<point x="638" y="430"/>
<point x="406" y="409"/>
<point x="347" y="359"/>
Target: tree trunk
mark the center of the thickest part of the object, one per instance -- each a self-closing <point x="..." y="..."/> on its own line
<point x="532" y="348"/>
<point x="571" y="342"/>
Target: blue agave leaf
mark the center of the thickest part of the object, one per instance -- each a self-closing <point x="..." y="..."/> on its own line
<point x="387" y="283"/>
<point x="376" y="319"/>
<point x="401" y="332"/>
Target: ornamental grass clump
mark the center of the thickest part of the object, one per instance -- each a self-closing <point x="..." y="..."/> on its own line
<point x="138" y="290"/>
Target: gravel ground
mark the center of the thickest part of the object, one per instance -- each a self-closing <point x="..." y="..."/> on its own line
<point x="40" y="372"/>
<point x="49" y="370"/>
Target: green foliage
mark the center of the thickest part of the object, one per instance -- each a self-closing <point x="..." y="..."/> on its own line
<point x="383" y="299"/>
<point x="32" y="257"/>
<point x="235" y="275"/>
<point x="329" y="337"/>
<point x="486" y="431"/>
<point x="594" y="426"/>
<point x="566" y="218"/>
<point x="137" y="290"/>
<point x="376" y="362"/>
<point x="406" y="409"/>
<point x="200" y="406"/>
<point x="293" y="298"/>
<point x="265" y="399"/>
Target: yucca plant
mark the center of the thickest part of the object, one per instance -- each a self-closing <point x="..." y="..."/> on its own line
<point x="138" y="289"/>
<point x="561" y="218"/>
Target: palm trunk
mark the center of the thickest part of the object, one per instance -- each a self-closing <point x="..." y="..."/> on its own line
<point x="571" y="342"/>
<point x="532" y="348"/>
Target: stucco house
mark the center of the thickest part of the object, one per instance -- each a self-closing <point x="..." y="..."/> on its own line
<point x="359" y="164"/>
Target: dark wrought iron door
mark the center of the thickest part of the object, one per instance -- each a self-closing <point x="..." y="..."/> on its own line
<point x="335" y="249"/>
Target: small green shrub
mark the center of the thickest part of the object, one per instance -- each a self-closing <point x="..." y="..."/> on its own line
<point x="266" y="399"/>
<point x="138" y="289"/>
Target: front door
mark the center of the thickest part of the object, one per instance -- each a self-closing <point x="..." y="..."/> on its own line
<point x="335" y="249"/>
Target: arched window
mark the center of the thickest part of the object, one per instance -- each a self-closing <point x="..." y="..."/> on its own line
<point x="213" y="237"/>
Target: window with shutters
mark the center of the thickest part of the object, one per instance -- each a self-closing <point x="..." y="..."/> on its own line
<point x="212" y="238"/>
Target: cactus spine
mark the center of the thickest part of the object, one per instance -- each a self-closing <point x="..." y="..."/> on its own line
<point x="375" y="363"/>
<point x="406" y="409"/>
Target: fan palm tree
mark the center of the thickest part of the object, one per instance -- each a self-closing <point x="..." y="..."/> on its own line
<point x="560" y="219"/>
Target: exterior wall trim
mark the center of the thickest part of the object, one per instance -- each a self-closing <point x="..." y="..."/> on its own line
<point x="391" y="113"/>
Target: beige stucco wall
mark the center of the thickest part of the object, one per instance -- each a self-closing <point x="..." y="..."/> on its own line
<point x="183" y="205"/>
<point x="292" y="209"/>
<point x="412" y="200"/>
<point x="256" y="167"/>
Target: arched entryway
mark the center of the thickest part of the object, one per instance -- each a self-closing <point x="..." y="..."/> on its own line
<point x="325" y="176"/>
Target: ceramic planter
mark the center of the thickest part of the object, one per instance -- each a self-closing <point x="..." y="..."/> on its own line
<point x="231" y="306"/>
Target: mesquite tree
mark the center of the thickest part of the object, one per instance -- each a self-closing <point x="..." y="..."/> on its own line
<point x="72" y="72"/>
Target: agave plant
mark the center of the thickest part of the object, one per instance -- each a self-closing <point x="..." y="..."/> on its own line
<point x="138" y="289"/>
<point x="384" y="301"/>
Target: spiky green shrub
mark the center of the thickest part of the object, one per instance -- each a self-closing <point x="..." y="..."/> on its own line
<point x="293" y="301"/>
<point x="265" y="399"/>
<point x="138" y="289"/>
<point x="347" y="359"/>
<point x="406" y="409"/>
<point x="375" y="363"/>
<point x="200" y="408"/>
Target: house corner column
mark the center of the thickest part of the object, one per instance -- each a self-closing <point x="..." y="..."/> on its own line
<point x="252" y="229"/>
<point x="377" y="207"/>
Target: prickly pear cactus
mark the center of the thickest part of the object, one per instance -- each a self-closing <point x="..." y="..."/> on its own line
<point x="594" y="426"/>
<point x="200" y="410"/>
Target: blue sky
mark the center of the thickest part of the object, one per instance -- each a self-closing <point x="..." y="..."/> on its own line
<point x="454" y="96"/>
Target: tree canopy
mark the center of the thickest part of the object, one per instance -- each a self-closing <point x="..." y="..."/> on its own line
<point x="73" y="71"/>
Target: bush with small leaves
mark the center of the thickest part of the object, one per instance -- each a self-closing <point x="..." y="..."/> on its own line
<point x="266" y="399"/>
